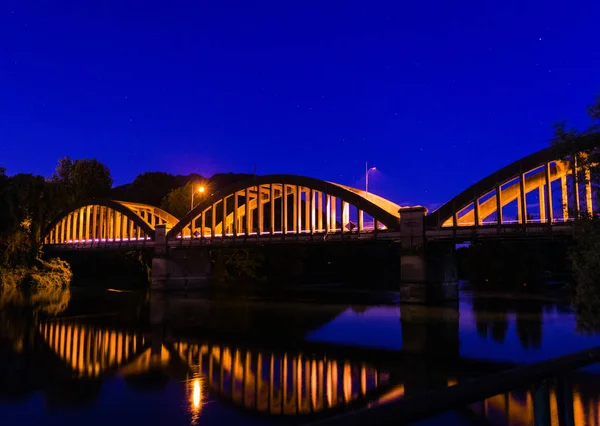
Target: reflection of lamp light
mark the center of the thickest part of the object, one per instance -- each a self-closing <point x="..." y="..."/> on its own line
<point x="196" y="394"/>
<point x="195" y="385"/>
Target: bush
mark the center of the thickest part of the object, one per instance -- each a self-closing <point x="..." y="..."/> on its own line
<point x="43" y="275"/>
<point x="585" y="259"/>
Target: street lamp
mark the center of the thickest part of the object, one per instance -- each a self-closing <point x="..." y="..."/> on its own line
<point x="200" y="190"/>
<point x="367" y="176"/>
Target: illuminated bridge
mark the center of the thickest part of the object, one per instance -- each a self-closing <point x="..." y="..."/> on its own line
<point x="537" y="194"/>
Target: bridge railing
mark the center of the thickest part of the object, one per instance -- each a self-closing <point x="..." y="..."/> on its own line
<point x="539" y="377"/>
<point x="103" y="242"/>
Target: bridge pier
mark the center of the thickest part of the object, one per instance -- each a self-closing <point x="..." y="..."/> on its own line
<point x="172" y="269"/>
<point x="427" y="270"/>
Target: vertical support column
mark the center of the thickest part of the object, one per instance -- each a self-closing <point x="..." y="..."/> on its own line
<point x="272" y="205"/>
<point x="588" y="191"/>
<point x="108" y="223"/>
<point x="213" y="217"/>
<point x="247" y="212"/>
<point x="361" y="225"/>
<point x="69" y="227"/>
<point x="307" y="210"/>
<point x="284" y="209"/>
<point x="235" y="214"/>
<point x="81" y="224"/>
<point x="131" y="230"/>
<point x="101" y="218"/>
<point x="113" y="224"/>
<point x="542" y="198"/>
<point x="74" y="220"/>
<point x="499" y="204"/>
<point x="63" y="230"/>
<point x="295" y="202"/>
<point x="122" y="226"/>
<point x="109" y="226"/>
<point x="476" y="211"/>
<point x="375" y="225"/>
<point x="345" y="216"/>
<point x="259" y="206"/>
<point x="117" y="225"/>
<point x="332" y="222"/>
<point x="328" y="213"/>
<point x="203" y="225"/>
<point x="574" y="172"/>
<point x="124" y="223"/>
<point x="312" y="211"/>
<point x="224" y="218"/>
<point x="522" y="199"/>
<point x="75" y="230"/>
<point x="320" y="196"/>
<point x="89" y="227"/>
<point x="298" y="209"/>
<point x="548" y="194"/>
<point x="564" y="198"/>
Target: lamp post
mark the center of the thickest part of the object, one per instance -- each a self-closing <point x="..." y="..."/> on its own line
<point x="200" y="190"/>
<point x="367" y="176"/>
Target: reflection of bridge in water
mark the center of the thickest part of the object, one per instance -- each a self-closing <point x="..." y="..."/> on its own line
<point x="287" y="383"/>
<point x="518" y="408"/>
<point x="276" y="382"/>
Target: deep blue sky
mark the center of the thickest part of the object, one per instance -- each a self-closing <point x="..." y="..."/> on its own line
<point x="435" y="94"/>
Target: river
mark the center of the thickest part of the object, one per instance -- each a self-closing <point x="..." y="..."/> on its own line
<point x="121" y="358"/>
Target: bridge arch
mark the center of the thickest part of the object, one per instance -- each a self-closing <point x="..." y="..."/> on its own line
<point x="547" y="186"/>
<point x="101" y="221"/>
<point x="300" y="205"/>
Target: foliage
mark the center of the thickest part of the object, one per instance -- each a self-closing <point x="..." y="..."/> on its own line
<point x="585" y="260"/>
<point x="178" y="201"/>
<point x="48" y="275"/>
<point x="29" y="203"/>
<point x="585" y="254"/>
<point x="83" y="179"/>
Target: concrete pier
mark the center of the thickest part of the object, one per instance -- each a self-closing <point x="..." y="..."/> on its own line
<point x="427" y="270"/>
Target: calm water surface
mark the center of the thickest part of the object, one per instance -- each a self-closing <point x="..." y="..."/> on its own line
<point x="125" y="358"/>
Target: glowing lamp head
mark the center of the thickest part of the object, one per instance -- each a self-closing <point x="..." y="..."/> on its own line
<point x="201" y="189"/>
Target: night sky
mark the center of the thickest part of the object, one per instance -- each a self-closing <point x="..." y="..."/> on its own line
<point x="435" y="94"/>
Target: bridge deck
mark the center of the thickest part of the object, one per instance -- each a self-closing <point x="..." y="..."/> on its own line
<point x="491" y="231"/>
<point x="460" y="233"/>
<point x="230" y="240"/>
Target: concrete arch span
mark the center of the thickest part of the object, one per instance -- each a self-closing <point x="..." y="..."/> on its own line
<point x="286" y="204"/>
<point x="545" y="187"/>
<point x="100" y="220"/>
